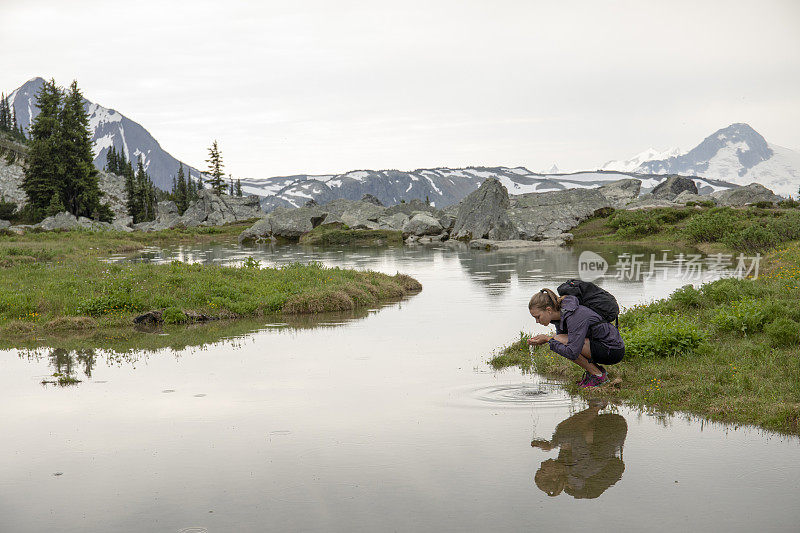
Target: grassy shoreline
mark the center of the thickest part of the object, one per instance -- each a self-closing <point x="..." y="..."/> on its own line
<point x="56" y="281"/>
<point x="728" y="351"/>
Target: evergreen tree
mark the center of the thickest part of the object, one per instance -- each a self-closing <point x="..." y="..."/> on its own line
<point x="5" y="114"/>
<point x="144" y="194"/>
<point x="238" y="187"/>
<point x="56" y="206"/>
<point x="230" y="186"/>
<point x="79" y="181"/>
<point x="215" y="169"/>
<point x="42" y="163"/>
<point x="191" y="191"/>
<point x="182" y="192"/>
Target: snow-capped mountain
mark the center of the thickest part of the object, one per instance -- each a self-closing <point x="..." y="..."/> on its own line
<point x="737" y="154"/>
<point x="440" y="186"/>
<point x="630" y="165"/>
<point x="109" y="128"/>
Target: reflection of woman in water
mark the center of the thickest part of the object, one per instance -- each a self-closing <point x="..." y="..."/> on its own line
<point x="587" y="462"/>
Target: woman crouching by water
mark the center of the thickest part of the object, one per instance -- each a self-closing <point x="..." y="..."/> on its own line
<point x="582" y="336"/>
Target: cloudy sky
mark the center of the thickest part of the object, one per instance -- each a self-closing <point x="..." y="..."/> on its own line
<point x="329" y="86"/>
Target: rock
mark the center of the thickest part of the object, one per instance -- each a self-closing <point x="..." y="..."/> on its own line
<point x="372" y="200"/>
<point x="258" y="232"/>
<point x="749" y="194"/>
<point x="447" y="221"/>
<point x="292" y="223"/>
<point x="408" y="208"/>
<point x="686" y="196"/>
<point x="5" y="224"/>
<point x="211" y="209"/>
<point x="517" y="244"/>
<point x="482" y="214"/>
<point x="21" y="229"/>
<point x="673" y="186"/>
<point x="392" y="222"/>
<point x="621" y="192"/>
<point x="311" y="203"/>
<point x="355" y="214"/>
<point x="150" y="318"/>
<point x="62" y="221"/>
<point x="422" y="224"/>
<point x="432" y="239"/>
<point x="538" y="216"/>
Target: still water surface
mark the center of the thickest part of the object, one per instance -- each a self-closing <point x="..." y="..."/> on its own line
<point x="391" y="420"/>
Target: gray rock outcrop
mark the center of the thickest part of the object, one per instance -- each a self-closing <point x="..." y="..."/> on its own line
<point x="686" y="197"/>
<point x="673" y="186"/>
<point x="621" y="192"/>
<point x="67" y="221"/>
<point x="212" y="209"/>
<point x="422" y="224"/>
<point x="482" y="214"/>
<point x="539" y="216"/>
<point x="749" y="194"/>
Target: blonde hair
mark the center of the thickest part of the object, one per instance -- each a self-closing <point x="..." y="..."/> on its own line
<point x="545" y="298"/>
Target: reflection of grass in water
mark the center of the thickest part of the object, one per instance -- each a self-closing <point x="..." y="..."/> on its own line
<point x="727" y="351"/>
<point x="132" y="341"/>
<point x="66" y="286"/>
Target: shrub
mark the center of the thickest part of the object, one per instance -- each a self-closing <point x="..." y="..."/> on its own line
<point x="688" y="296"/>
<point x="753" y="238"/>
<point x="783" y="331"/>
<point x="743" y="316"/>
<point x="728" y="290"/>
<point x="710" y="226"/>
<point x="7" y="209"/>
<point x="663" y="336"/>
<point x="173" y="315"/>
<point x="764" y="204"/>
<point x="791" y="203"/>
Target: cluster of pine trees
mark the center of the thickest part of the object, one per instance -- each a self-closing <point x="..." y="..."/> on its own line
<point x="184" y="190"/>
<point x="139" y="188"/>
<point x="8" y="121"/>
<point x="59" y="169"/>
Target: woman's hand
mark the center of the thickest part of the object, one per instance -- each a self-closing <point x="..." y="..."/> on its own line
<point x="538" y="339"/>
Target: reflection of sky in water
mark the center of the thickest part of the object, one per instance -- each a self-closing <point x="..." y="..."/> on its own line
<point x="388" y="420"/>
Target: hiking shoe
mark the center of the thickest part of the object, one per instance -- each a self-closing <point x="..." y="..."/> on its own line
<point x="594" y="381"/>
<point x="583" y="378"/>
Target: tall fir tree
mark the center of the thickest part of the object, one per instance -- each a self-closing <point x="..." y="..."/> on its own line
<point x="238" y="187"/>
<point x="216" y="179"/>
<point x="79" y="181"/>
<point x="43" y="161"/>
<point x="182" y="192"/>
<point x="5" y="114"/>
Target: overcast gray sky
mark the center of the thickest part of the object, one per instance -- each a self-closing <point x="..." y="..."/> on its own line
<point x="328" y="86"/>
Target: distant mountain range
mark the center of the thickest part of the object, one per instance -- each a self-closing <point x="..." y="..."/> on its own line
<point x="110" y="128"/>
<point x="738" y="154"/>
<point x="440" y="186"/>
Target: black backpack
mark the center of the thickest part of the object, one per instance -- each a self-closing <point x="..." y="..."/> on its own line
<point x="590" y="295"/>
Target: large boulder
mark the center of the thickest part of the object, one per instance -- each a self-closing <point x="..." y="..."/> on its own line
<point x="62" y="221"/>
<point x="412" y="206"/>
<point x="211" y="209"/>
<point x="686" y="197"/>
<point x="621" y="192"/>
<point x="5" y="224"/>
<point x="482" y="214"/>
<point x="392" y="222"/>
<point x="422" y="224"/>
<point x="673" y="186"/>
<point x="292" y="223"/>
<point x="749" y="194"/>
<point x="547" y="215"/>
<point x="355" y="214"/>
<point x="258" y="232"/>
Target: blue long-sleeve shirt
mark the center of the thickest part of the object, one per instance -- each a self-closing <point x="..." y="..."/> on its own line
<point x="579" y="323"/>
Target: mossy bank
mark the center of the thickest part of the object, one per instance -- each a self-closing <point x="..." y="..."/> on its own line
<point x="57" y="281"/>
<point x="728" y="351"/>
